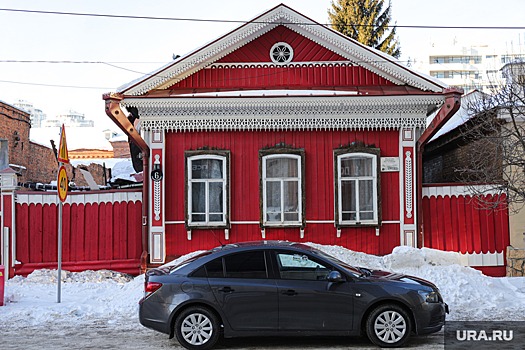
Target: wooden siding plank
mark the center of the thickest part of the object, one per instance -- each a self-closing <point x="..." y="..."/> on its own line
<point x="22" y="234"/>
<point x="91" y="231"/>
<point x="50" y="233"/>
<point x="36" y="240"/>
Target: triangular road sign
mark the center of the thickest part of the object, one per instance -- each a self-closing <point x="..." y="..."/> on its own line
<point x="62" y="149"/>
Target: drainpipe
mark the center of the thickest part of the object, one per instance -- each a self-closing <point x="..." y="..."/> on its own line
<point x="449" y="108"/>
<point x="118" y="117"/>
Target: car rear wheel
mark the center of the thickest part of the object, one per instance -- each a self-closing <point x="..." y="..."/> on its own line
<point x="197" y="328"/>
<point x="388" y="326"/>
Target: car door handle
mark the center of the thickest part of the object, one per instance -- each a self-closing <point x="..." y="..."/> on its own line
<point x="290" y="292"/>
<point x="226" y="290"/>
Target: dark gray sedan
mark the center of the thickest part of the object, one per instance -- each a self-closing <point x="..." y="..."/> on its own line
<point x="283" y="288"/>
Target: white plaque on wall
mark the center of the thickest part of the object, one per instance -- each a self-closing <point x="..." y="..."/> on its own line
<point x="389" y="164"/>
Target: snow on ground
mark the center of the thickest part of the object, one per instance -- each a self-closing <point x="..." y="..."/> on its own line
<point x="107" y="297"/>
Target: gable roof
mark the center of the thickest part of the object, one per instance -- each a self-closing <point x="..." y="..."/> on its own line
<point x="369" y="58"/>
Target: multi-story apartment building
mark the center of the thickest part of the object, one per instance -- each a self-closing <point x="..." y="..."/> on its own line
<point x="36" y="115"/>
<point x="470" y="67"/>
<point x="70" y="118"/>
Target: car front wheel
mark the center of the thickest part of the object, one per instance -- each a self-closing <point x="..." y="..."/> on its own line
<point x="388" y="326"/>
<point x="197" y="328"/>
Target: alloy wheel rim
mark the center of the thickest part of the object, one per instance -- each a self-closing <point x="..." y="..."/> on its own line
<point x="390" y="327"/>
<point x="196" y="329"/>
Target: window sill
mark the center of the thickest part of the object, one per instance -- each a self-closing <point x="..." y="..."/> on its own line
<point x="281" y="225"/>
<point x="208" y="226"/>
<point x="357" y="224"/>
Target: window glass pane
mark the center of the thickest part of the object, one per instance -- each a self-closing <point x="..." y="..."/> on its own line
<point x="348" y="200"/>
<point x="366" y="199"/>
<point x="214" y="268"/>
<point x="198" y="217"/>
<point x="291" y="216"/>
<point x="273" y="201"/>
<point x="198" y="197"/>
<point x="216" y="218"/>
<point x="246" y="265"/>
<point x="356" y="166"/>
<point x="301" y="267"/>
<point x="281" y="167"/>
<point x="206" y="169"/>
<point x="216" y="197"/>
<point x="291" y="196"/>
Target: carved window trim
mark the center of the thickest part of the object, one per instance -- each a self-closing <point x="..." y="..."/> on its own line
<point x="290" y="153"/>
<point x="374" y="155"/>
<point x="189" y="157"/>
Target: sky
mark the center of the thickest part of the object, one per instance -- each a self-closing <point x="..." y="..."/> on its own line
<point x="117" y="51"/>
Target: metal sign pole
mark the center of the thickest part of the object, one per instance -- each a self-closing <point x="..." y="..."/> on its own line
<point x="62" y="187"/>
<point x="59" y="251"/>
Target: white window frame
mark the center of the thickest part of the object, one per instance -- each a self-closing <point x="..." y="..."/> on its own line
<point x="190" y="181"/>
<point x="357" y="179"/>
<point x="299" y="180"/>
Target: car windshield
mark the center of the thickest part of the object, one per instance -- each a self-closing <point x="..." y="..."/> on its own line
<point x="351" y="269"/>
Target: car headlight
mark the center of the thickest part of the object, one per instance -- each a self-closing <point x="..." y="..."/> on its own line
<point x="429" y="297"/>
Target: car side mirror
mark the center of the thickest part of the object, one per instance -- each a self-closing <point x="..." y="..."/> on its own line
<point x="335" y="276"/>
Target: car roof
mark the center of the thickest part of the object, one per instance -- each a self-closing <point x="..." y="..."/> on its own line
<point x="263" y="245"/>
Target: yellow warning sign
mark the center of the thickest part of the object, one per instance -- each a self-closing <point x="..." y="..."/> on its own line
<point x="62" y="185"/>
<point x="62" y="150"/>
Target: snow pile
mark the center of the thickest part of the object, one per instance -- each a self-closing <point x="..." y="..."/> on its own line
<point x="470" y="294"/>
<point x="107" y="297"/>
<point x="86" y="297"/>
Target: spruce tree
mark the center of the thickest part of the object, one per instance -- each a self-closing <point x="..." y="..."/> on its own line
<point x="366" y="22"/>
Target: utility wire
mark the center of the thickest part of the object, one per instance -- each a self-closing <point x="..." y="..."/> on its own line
<point x="244" y="22"/>
<point x="59" y="86"/>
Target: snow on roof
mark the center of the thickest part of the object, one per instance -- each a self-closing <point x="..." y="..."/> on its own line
<point x="121" y="168"/>
<point x="92" y="298"/>
<point x="460" y="117"/>
<point x="119" y="137"/>
<point x="76" y="137"/>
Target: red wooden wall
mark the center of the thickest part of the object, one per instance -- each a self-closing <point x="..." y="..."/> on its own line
<point x="461" y="223"/>
<point x="319" y="188"/>
<point x="100" y="234"/>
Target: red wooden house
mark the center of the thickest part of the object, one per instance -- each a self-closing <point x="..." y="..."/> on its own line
<point x="281" y="129"/>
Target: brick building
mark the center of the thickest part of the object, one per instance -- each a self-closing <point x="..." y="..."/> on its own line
<point x="33" y="162"/>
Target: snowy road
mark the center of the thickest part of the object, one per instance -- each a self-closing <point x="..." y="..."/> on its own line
<point x="139" y="338"/>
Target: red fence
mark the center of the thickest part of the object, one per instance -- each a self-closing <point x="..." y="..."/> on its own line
<point x="455" y="221"/>
<point x="100" y="230"/>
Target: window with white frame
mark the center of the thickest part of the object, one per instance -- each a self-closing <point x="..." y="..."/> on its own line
<point x="357" y="188"/>
<point x="282" y="189"/>
<point x="207" y="189"/>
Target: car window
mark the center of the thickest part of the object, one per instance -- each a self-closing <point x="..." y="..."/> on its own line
<point x="297" y="266"/>
<point x="246" y="265"/>
<point x="214" y="268"/>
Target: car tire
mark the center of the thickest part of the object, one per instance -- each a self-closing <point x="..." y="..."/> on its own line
<point x="197" y="328"/>
<point x="388" y="326"/>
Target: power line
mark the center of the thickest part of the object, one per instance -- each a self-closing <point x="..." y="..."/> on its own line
<point x="58" y="86"/>
<point x="78" y="62"/>
<point x="244" y="22"/>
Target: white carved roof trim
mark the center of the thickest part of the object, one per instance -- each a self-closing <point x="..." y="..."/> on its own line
<point x="160" y="102"/>
<point x="369" y="58"/>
